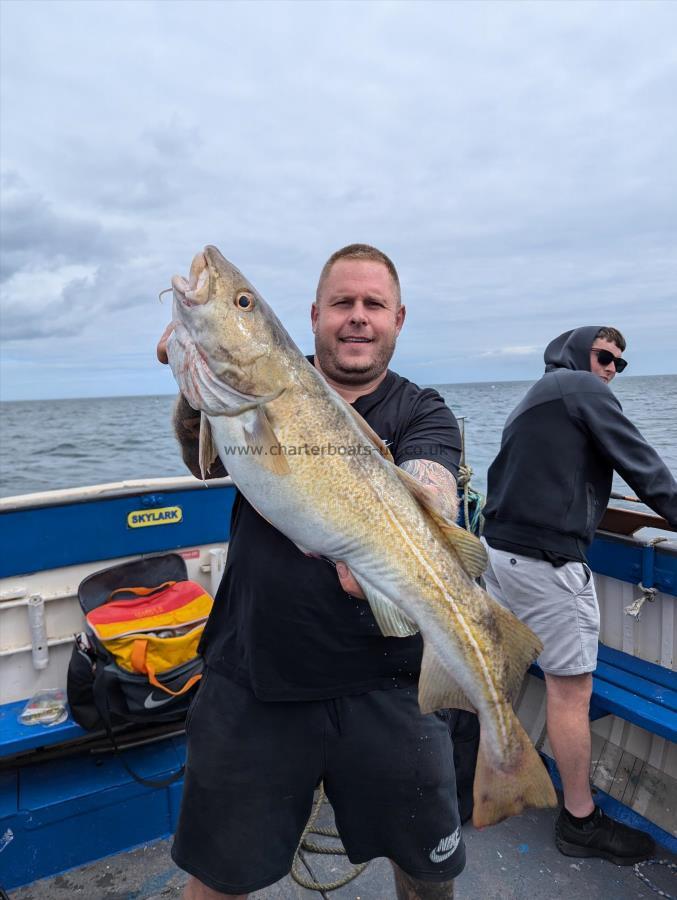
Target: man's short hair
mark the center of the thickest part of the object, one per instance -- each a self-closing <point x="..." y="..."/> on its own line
<point x="608" y="333"/>
<point x="364" y="252"/>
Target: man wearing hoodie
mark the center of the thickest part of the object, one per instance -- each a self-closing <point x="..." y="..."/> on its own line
<point x="547" y="491"/>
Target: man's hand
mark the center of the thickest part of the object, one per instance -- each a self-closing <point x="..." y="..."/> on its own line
<point x="161" y="349"/>
<point x="348" y="583"/>
<point x="187" y="421"/>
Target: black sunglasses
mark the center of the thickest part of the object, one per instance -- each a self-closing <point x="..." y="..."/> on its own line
<point x="604" y="357"/>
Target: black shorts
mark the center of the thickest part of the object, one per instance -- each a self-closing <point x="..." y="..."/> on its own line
<point x="252" y="768"/>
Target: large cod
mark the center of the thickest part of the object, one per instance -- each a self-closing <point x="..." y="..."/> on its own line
<point x="317" y="472"/>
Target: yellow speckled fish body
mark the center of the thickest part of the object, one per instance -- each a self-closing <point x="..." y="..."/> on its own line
<point x="315" y="470"/>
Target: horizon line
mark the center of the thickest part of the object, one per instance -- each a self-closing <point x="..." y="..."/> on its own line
<point x="438" y="384"/>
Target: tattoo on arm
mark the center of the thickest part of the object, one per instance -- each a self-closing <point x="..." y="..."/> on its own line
<point x="408" y="888"/>
<point x="439" y="481"/>
<point x="187" y="429"/>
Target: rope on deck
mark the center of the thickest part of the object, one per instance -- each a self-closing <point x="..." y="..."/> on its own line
<point x="672" y="867"/>
<point x="311" y="847"/>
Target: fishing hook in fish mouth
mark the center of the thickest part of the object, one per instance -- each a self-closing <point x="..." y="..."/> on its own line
<point x="166" y="291"/>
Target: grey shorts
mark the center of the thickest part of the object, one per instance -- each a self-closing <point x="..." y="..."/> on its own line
<point x="559" y="604"/>
<point x="252" y="768"/>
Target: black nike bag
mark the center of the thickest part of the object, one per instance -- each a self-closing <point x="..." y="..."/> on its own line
<point x="101" y="694"/>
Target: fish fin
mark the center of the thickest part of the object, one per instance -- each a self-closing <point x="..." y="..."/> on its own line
<point x="436" y="687"/>
<point x="370" y="434"/>
<point x="389" y="619"/>
<point x="264" y="443"/>
<point x="207" y="451"/>
<point x="502" y="792"/>
<point x="469" y="549"/>
<point x="521" y="644"/>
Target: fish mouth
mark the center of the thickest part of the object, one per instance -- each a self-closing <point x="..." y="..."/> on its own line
<point x="194" y="290"/>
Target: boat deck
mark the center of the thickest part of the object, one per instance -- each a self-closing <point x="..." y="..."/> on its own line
<point x="511" y="861"/>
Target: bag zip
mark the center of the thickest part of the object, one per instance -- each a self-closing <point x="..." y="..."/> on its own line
<point x="150" y="630"/>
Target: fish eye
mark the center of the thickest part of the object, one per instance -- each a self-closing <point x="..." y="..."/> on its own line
<point x="244" y="301"/>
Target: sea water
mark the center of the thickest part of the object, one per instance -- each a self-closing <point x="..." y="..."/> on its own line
<point x="48" y="444"/>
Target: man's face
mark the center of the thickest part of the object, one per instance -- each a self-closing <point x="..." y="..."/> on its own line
<point x="356" y="321"/>
<point x="608" y="372"/>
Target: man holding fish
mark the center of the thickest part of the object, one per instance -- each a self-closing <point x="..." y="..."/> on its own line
<point x="305" y="681"/>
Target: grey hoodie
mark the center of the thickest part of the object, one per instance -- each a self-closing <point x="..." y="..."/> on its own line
<point x="550" y="483"/>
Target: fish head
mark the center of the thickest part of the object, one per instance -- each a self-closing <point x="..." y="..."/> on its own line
<point x="227" y="346"/>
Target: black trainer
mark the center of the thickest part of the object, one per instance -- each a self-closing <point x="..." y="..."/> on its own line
<point x="603" y="837"/>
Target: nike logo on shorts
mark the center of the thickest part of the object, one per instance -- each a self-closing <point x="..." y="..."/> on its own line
<point x="446" y="847"/>
<point x="150" y="702"/>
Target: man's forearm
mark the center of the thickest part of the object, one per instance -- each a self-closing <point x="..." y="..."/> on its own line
<point x="440" y="482"/>
<point x="187" y="429"/>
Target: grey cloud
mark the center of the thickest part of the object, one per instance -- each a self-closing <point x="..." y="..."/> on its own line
<point x="174" y="139"/>
<point x="36" y="236"/>
<point x="71" y="310"/>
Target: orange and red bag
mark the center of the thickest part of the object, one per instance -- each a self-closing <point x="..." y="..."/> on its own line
<point x="152" y="630"/>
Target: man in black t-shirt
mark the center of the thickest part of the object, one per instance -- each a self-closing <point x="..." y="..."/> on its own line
<point x="300" y="685"/>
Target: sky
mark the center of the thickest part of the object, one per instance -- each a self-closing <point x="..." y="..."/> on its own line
<point x="516" y="160"/>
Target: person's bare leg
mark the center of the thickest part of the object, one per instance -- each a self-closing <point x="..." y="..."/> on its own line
<point x="408" y="888"/>
<point x="568" y="706"/>
<point x="196" y="890"/>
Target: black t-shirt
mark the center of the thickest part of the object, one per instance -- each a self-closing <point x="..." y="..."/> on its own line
<point x="281" y="624"/>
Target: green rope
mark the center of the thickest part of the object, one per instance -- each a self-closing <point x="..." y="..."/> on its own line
<point x="311" y="847"/>
<point x="474" y="521"/>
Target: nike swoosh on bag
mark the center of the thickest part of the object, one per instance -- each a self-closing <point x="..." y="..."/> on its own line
<point x="150" y="702"/>
<point x="446" y="847"/>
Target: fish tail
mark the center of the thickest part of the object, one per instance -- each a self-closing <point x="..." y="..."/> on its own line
<point x="507" y="791"/>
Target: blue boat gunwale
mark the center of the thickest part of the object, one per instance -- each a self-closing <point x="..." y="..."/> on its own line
<point x="49" y="531"/>
<point x="49" y="535"/>
<point x="635" y="560"/>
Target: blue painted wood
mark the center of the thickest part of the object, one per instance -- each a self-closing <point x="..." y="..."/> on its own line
<point x="52" y="536"/>
<point x="16" y="738"/>
<point x="648" y="563"/>
<point x="651" y="716"/>
<point x="69" y="812"/>
<point x="642" y="688"/>
<point x="9" y="791"/>
<point x="628" y="562"/>
<point x="622" y="561"/>
<point x="646" y="670"/>
<point x="43" y="789"/>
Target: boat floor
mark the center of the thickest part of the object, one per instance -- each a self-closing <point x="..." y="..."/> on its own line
<point x="511" y="861"/>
